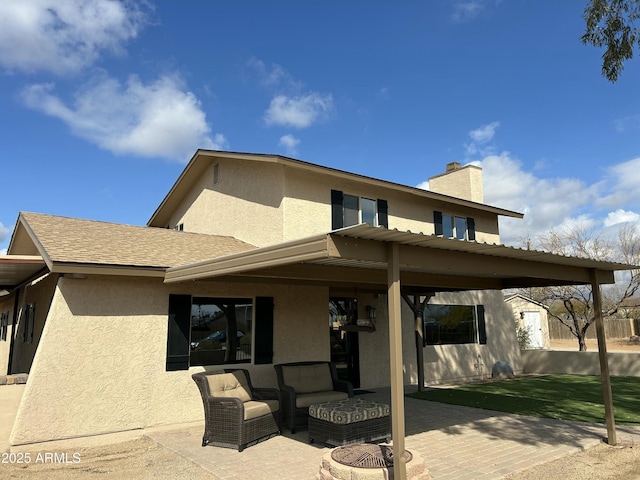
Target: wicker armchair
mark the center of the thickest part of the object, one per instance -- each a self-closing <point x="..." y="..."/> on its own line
<point x="305" y="383"/>
<point x="235" y="412"/>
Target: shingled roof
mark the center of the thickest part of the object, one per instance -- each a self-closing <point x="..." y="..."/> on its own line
<point x="64" y="240"/>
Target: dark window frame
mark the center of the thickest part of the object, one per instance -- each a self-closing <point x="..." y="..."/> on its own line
<point x="442" y="228"/>
<point x="462" y="332"/>
<point x="338" y="210"/>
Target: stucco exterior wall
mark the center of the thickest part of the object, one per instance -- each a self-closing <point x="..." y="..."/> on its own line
<point x="38" y="292"/>
<point x="442" y="363"/>
<point x="579" y="363"/>
<point x="6" y="306"/>
<point x="100" y="364"/>
<point x="464" y="182"/>
<point x="308" y="207"/>
<point x="239" y="205"/>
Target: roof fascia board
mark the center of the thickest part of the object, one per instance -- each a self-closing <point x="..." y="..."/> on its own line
<point x="456" y="262"/>
<point x="22" y="222"/>
<point x="308" y="249"/>
<point x="120" y="270"/>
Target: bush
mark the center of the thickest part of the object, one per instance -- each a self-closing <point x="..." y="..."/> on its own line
<point x="524" y="336"/>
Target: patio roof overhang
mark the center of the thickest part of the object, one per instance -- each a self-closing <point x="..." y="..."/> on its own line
<point x="16" y="269"/>
<point x="397" y="262"/>
<point x="357" y="256"/>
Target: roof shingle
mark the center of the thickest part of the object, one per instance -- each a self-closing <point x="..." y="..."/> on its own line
<point x="73" y="240"/>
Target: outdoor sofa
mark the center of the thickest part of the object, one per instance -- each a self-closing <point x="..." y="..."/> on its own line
<point x="236" y="413"/>
<point x="303" y="384"/>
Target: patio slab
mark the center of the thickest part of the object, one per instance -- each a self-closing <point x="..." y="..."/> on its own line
<point x="456" y="442"/>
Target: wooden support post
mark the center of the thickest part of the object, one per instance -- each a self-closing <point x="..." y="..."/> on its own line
<point x="604" y="361"/>
<point x="395" y="349"/>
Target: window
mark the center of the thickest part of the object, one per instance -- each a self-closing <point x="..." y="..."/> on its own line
<point x="450" y="226"/>
<point x="215" y="331"/>
<point x="347" y="210"/>
<point x="216" y="174"/>
<point x="4" y="325"/>
<point x="179" y="227"/>
<point x="28" y="319"/>
<point x="221" y="330"/>
<point x="454" y="324"/>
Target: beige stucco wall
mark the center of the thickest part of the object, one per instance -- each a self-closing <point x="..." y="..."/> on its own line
<point x="100" y="364"/>
<point x="297" y="203"/>
<point x="239" y="205"/>
<point x="38" y="292"/>
<point x="6" y="306"/>
<point x="464" y="182"/>
<point x="579" y="363"/>
<point x="442" y="363"/>
<point x="308" y="207"/>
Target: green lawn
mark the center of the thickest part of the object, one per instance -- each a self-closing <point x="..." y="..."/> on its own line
<point x="565" y="397"/>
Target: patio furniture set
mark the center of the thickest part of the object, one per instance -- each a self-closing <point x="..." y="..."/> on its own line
<point x="309" y="395"/>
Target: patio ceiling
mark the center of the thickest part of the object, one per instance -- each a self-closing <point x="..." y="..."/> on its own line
<point x="16" y="269"/>
<point x="357" y="256"/>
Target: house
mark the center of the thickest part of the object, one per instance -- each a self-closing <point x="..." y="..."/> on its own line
<point x="532" y="316"/>
<point x="255" y="260"/>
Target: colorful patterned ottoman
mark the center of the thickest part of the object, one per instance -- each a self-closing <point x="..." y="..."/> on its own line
<point x="354" y="420"/>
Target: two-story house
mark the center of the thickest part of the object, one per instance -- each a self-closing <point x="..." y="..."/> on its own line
<point x="254" y="260"/>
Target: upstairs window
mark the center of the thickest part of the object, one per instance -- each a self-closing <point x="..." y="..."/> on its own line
<point x="347" y="210"/>
<point x="451" y="226"/>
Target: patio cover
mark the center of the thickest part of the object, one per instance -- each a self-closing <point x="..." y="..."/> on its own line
<point x="15" y="269"/>
<point x="404" y="262"/>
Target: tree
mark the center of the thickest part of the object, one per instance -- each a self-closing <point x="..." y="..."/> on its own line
<point x="572" y="305"/>
<point x="610" y="24"/>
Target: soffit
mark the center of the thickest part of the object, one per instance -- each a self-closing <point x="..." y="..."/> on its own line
<point x="357" y="256"/>
<point x="16" y="269"/>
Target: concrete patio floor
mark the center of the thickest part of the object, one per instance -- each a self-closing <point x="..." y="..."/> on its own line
<point x="456" y="443"/>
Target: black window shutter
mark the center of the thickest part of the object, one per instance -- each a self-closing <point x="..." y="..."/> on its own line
<point x="471" y="229"/>
<point x="482" y="328"/>
<point x="437" y="223"/>
<point x="336" y="210"/>
<point x="264" y="330"/>
<point x="178" y="334"/>
<point x="383" y="217"/>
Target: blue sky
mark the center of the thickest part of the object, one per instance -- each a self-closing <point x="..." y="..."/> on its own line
<point x="102" y="102"/>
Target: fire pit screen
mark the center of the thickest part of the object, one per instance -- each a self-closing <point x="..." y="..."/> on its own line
<point x="366" y="456"/>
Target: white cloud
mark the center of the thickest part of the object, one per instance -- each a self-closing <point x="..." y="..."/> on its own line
<point x="3" y="251"/>
<point x="64" y="36"/>
<point x="4" y="232"/>
<point x="300" y="111"/>
<point x="625" y="178"/>
<point x="546" y="202"/>
<point x="631" y="122"/>
<point x="467" y="11"/>
<point x="159" y="119"/>
<point x="480" y="137"/>
<point x="620" y="216"/>
<point x="290" y="143"/>
<point x="273" y="76"/>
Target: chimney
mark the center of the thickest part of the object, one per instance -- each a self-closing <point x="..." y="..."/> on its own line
<point x="458" y="181"/>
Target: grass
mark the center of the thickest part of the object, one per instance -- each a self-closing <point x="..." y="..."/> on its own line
<point x="564" y="397"/>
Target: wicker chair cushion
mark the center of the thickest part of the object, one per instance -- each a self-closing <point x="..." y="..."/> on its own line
<point x="255" y="409"/>
<point x="349" y="411"/>
<point x="308" y="399"/>
<point x="230" y="385"/>
<point x="308" y="378"/>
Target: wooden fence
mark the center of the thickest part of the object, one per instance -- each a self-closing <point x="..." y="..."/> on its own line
<point x="613" y="328"/>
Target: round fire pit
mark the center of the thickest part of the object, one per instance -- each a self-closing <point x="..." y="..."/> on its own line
<point x="365" y="461"/>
